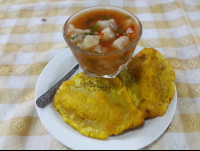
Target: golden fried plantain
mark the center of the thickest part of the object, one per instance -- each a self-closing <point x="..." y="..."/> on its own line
<point x="149" y="79"/>
<point x="97" y="107"/>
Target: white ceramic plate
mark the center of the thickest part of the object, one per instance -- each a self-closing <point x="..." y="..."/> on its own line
<point x="131" y="139"/>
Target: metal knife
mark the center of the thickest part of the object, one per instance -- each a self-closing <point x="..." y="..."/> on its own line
<point x="47" y="97"/>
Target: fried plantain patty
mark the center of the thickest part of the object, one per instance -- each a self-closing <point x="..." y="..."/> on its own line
<point x="149" y="79"/>
<point x="97" y="107"/>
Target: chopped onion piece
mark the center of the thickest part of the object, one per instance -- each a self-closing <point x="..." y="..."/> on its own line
<point x="80" y="45"/>
<point x="108" y="23"/>
<point x="101" y="49"/>
<point x="108" y="34"/>
<point x="121" y="42"/>
<point x="129" y="30"/>
<point x="79" y="38"/>
<point x="104" y="49"/>
<point x="98" y="49"/>
<point x="71" y="29"/>
<point x="90" y="41"/>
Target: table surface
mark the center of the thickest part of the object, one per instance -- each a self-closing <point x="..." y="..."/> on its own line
<point x="31" y="35"/>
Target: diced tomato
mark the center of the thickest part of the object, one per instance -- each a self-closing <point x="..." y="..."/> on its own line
<point x="133" y="27"/>
<point x="101" y="34"/>
<point x="119" y="34"/>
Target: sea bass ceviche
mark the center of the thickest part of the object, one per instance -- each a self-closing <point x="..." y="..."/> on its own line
<point x="102" y="31"/>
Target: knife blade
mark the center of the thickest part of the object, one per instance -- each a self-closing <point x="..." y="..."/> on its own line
<point x="47" y="97"/>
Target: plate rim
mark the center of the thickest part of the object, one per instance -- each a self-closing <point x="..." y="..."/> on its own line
<point x="68" y="145"/>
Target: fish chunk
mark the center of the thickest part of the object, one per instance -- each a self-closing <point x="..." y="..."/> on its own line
<point x="90" y="41"/>
<point x="108" y="23"/>
<point x="80" y="31"/>
<point x="121" y="42"/>
<point x="73" y="31"/>
<point x="108" y="34"/>
<point x="96" y="107"/>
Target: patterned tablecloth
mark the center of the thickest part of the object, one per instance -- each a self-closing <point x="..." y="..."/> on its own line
<point x="31" y="35"/>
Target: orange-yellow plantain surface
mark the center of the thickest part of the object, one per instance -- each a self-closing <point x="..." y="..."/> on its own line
<point x="97" y="107"/>
<point x="149" y="79"/>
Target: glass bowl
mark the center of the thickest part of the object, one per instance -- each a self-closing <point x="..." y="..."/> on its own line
<point x="107" y="65"/>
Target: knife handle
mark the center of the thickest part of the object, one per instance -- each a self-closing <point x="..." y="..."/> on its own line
<point x="47" y="97"/>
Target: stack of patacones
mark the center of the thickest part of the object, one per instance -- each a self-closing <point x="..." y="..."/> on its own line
<point x="99" y="107"/>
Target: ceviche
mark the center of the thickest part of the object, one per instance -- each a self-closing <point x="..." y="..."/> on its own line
<point x="98" y="33"/>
